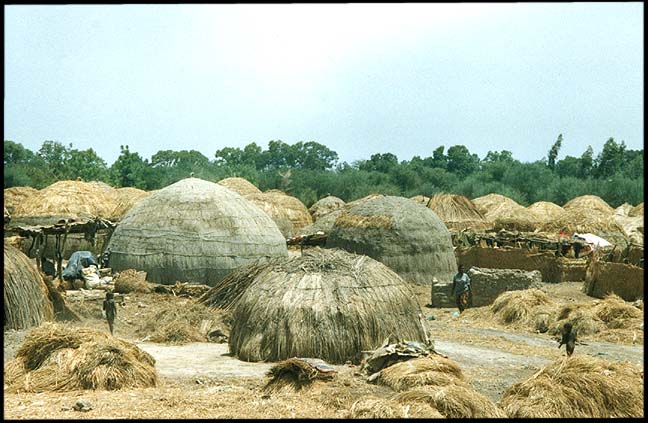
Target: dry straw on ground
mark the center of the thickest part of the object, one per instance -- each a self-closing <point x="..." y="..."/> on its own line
<point x="381" y="408"/>
<point x="581" y="220"/>
<point x="195" y="231"/>
<point x="288" y="212"/>
<point x="458" y="212"/>
<point x="240" y="186"/>
<point x="131" y="280"/>
<point x="61" y="358"/>
<point x="545" y="210"/>
<point x="453" y="401"/>
<point x="15" y="196"/>
<point x="328" y="304"/>
<point x="294" y="374"/>
<point x="409" y="238"/>
<point x="26" y="300"/>
<point x="431" y="370"/>
<point x="529" y="309"/>
<point x="325" y="206"/>
<point x="578" y="386"/>
<point x="589" y="203"/>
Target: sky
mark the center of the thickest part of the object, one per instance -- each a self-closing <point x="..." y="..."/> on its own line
<point x="358" y="78"/>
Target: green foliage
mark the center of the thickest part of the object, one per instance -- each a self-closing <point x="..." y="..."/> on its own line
<point x="553" y="153"/>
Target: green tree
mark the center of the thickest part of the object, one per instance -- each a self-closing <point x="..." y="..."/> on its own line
<point x="610" y="160"/>
<point x="130" y="170"/>
<point x="553" y="153"/>
<point x="461" y="162"/>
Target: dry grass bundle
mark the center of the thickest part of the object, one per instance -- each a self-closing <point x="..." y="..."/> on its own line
<point x="26" y="300"/>
<point x="578" y="386"/>
<point x="67" y="199"/>
<point x="589" y="203"/>
<point x="288" y="212"/>
<point x="60" y="358"/>
<point x="637" y="210"/>
<point x="131" y="280"/>
<point x="381" y="408"/>
<point x="241" y="186"/>
<point x="177" y="333"/>
<point x="458" y="212"/>
<point x="295" y="374"/>
<point x="193" y="230"/>
<point x="328" y="304"/>
<point x="545" y="210"/>
<point x="15" y="196"/>
<point x="420" y="199"/>
<point x="124" y="199"/>
<point x="580" y="220"/>
<point x="489" y="202"/>
<point x="431" y="370"/>
<point x="325" y="206"/>
<point x="523" y="308"/>
<point x="453" y="401"/>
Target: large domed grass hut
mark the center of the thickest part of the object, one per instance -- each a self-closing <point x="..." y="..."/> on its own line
<point x="589" y="203"/>
<point x="194" y="231"/>
<point x="328" y="304"/>
<point x="124" y="199"/>
<point x="325" y="206"/>
<point x="239" y="185"/>
<point x="408" y="237"/>
<point x="26" y="300"/>
<point x="14" y="196"/>
<point x="545" y="210"/>
<point x="458" y="212"/>
<point x="288" y="212"/>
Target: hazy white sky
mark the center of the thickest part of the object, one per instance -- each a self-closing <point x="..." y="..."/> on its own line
<point x="358" y="78"/>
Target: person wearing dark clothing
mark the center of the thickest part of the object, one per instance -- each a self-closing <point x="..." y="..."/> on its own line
<point x="568" y="338"/>
<point x="461" y="289"/>
<point x="110" y="309"/>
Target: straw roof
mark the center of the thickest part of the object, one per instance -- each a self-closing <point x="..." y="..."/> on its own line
<point x="100" y="185"/>
<point x="420" y="199"/>
<point x="323" y="224"/>
<point x="195" y="231"/>
<point x="67" y="199"/>
<point x="408" y="237"/>
<point x="582" y="220"/>
<point x="487" y="203"/>
<point x="505" y="213"/>
<point x="589" y="203"/>
<point x="239" y="185"/>
<point x="632" y="227"/>
<point x="26" y="301"/>
<point x="545" y="210"/>
<point x="623" y="209"/>
<point x="458" y="212"/>
<point x="328" y="304"/>
<point x="14" y="196"/>
<point x="637" y="210"/>
<point x="124" y="199"/>
<point x="288" y="212"/>
<point x="325" y="206"/>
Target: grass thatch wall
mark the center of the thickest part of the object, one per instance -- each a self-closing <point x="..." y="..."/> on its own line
<point x="328" y="304"/>
<point x="325" y="206"/>
<point x="624" y="280"/>
<point x="408" y="237"/>
<point x="240" y="186"/>
<point x="580" y="220"/>
<point x="15" y="196"/>
<point x="124" y="199"/>
<point x="545" y="210"/>
<point x="458" y="212"/>
<point x="26" y="301"/>
<point x="194" y="231"/>
<point x="589" y="203"/>
<point x="288" y="212"/>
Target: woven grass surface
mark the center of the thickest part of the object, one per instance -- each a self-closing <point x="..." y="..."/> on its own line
<point x="26" y="301"/>
<point x="582" y="220"/>
<point x="15" y="196"/>
<point x="458" y="212"/>
<point x="194" y="231"/>
<point x="328" y="304"/>
<point x="545" y="210"/>
<point x="60" y="358"/>
<point x="324" y="206"/>
<point x="407" y="237"/>
<point x="288" y="212"/>
<point x="578" y="386"/>
<point x="589" y="203"/>
<point x="240" y="186"/>
<point x="637" y="210"/>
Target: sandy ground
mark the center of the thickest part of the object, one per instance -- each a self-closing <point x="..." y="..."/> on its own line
<point x="201" y="380"/>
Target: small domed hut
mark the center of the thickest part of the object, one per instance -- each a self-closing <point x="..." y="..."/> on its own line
<point x="290" y="214"/>
<point x="325" y="206"/>
<point x="240" y="186"/>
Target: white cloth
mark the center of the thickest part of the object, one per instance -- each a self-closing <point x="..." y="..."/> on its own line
<point x="594" y="240"/>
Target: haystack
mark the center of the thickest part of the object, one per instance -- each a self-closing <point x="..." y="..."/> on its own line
<point x="545" y="210"/>
<point x="67" y="199"/>
<point x="381" y="408"/>
<point x="194" y="231"/>
<point x="26" y="301"/>
<point x="60" y="358"/>
<point x="458" y="212"/>
<point x="637" y="210"/>
<point x="420" y="199"/>
<point x="328" y="304"/>
<point x="524" y="309"/>
<point x="505" y="213"/>
<point x="288" y="212"/>
<point x="589" y="203"/>
<point x="124" y="199"/>
<point x="431" y="370"/>
<point x="580" y="220"/>
<point x="409" y="238"/>
<point x="240" y="186"/>
<point x="325" y="206"/>
<point x="7" y="215"/>
<point x="578" y="386"/>
<point x="130" y="280"/>
<point x="15" y="196"/>
<point x="453" y="401"/>
<point x="487" y="203"/>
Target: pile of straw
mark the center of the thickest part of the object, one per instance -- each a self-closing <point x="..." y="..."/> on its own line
<point x="420" y="199"/>
<point x="295" y="374"/>
<point x="124" y="199"/>
<point x="581" y="220"/>
<point x="194" y="231"/>
<point x="505" y="213"/>
<point x="241" y="186"/>
<point x="528" y="308"/>
<point x="623" y="209"/>
<point x="325" y="206"/>
<point x="589" y="203"/>
<point x="545" y="210"/>
<point x="60" y="358"/>
<point x="381" y="408"/>
<point x="632" y="227"/>
<point x="15" y="196"/>
<point x="453" y="401"/>
<point x="26" y="300"/>
<point x="288" y="212"/>
<point x="637" y="210"/>
<point x="328" y="304"/>
<point x="578" y="386"/>
<point x="131" y="280"/>
<point x="433" y="370"/>
<point x="409" y="238"/>
<point x="487" y="203"/>
<point x="458" y="212"/>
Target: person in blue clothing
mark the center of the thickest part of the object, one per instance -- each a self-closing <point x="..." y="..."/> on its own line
<point x="461" y="289"/>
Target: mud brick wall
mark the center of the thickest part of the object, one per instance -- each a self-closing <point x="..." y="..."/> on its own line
<point x="624" y="280"/>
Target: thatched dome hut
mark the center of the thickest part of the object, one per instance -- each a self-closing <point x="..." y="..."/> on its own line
<point x="194" y="231"/>
<point x="14" y="196"/>
<point x="587" y="221"/>
<point x="325" y="206"/>
<point x="239" y="185"/>
<point x="458" y="212"/>
<point x="323" y="224"/>
<point x="486" y="203"/>
<point x="545" y="210"/>
<point x="124" y="199"/>
<point x="589" y="202"/>
<point x="288" y="212"/>
<point x="328" y="304"/>
<point x="420" y="199"/>
<point x="26" y="301"/>
<point x="506" y="213"/>
<point x="408" y="237"/>
<point x="623" y="210"/>
<point x="637" y="210"/>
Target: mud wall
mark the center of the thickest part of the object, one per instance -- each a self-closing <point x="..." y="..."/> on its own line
<point x="624" y="280"/>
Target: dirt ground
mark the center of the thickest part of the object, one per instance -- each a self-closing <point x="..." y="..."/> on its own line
<point x="201" y="380"/>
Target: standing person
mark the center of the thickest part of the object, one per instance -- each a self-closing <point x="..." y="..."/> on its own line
<point x="568" y="338"/>
<point x="110" y="309"/>
<point x="461" y="289"/>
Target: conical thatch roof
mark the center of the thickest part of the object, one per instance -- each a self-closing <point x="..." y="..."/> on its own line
<point x="239" y="185"/>
<point x="589" y="202"/>
<point x="328" y="304"/>
<point x="408" y="237"/>
<point x="587" y="221"/>
<point x="323" y="224"/>
<point x="288" y="212"/>
<point x="420" y="199"/>
<point x="506" y="213"/>
<point x="14" y="196"/>
<point x="26" y="302"/>
<point x="194" y="231"/>
<point x="487" y="203"/>
<point x="124" y="199"/>
<point x="545" y="210"/>
<point x="67" y="199"/>
<point x="458" y="212"/>
<point x="325" y="206"/>
<point x="637" y="210"/>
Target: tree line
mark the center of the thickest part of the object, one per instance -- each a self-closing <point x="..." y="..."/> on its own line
<point x="310" y="171"/>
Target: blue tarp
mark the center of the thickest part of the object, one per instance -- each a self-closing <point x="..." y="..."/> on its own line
<point x="78" y="261"/>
